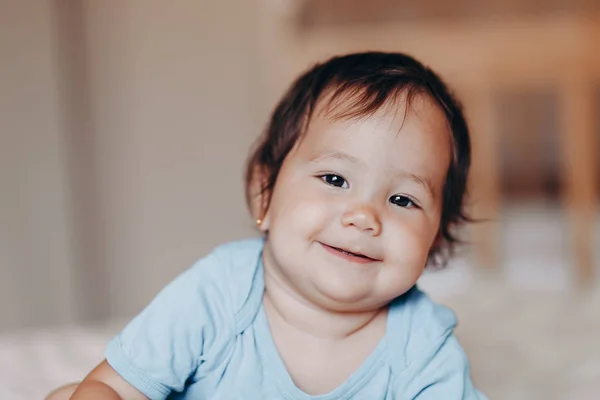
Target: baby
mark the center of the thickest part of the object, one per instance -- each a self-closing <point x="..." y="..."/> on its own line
<point x="357" y="184"/>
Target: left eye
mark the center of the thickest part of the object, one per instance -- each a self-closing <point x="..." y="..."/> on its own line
<point x="402" y="201"/>
<point x="335" y="180"/>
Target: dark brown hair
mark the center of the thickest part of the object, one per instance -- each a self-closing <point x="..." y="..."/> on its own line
<point x="370" y="80"/>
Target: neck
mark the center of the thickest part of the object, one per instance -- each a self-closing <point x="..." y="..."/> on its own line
<point x="283" y="303"/>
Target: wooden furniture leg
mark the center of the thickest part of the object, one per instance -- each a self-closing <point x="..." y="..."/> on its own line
<point x="579" y="175"/>
<point x="484" y="184"/>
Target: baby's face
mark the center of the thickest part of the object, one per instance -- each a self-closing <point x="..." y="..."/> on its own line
<point x="357" y="206"/>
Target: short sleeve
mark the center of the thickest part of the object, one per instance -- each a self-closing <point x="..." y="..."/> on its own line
<point x="444" y="374"/>
<point x="186" y="328"/>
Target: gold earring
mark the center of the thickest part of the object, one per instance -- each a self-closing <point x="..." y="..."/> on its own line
<point x="259" y="222"/>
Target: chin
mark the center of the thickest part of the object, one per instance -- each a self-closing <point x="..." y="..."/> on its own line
<point x="345" y="300"/>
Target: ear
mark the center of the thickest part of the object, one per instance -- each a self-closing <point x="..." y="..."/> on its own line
<point x="259" y="199"/>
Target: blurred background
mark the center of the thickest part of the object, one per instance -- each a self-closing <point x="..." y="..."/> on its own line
<point x="125" y="125"/>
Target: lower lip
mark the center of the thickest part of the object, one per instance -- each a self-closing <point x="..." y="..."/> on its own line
<point x="349" y="257"/>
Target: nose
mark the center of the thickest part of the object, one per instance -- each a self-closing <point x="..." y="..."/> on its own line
<point x="364" y="218"/>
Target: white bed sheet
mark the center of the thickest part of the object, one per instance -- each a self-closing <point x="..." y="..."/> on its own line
<point x="35" y="361"/>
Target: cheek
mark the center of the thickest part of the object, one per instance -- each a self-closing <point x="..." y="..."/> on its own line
<point x="297" y="210"/>
<point x="411" y="240"/>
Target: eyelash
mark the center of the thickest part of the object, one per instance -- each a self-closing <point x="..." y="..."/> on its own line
<point x="411" y="202"/>
<point x="404" y="198"/>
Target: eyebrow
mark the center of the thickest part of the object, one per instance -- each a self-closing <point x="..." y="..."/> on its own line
<point x="330" y="153"/>
<point x="424" y="182"/>
<point x="421" y="181"/>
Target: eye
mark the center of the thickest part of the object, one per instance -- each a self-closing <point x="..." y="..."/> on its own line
<point x="334" y="180"/>
<point x="402" y="201"/>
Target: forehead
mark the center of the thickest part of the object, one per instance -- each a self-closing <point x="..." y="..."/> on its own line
<point x="401" y="133"/>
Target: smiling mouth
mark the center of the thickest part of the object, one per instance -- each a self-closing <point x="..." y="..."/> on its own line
<point x="348" y="255"/>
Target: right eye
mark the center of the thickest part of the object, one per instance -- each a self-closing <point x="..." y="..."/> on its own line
<point x="334" y="180"/>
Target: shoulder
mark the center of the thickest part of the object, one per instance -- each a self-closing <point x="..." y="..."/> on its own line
<point x="236" y="254"/>
<point x="221" y="281"/>
<point x="426" y="359"/>
<point x="189" y="326"/>
<point x="226" y="271"/>
<point x="230" y="265"/>
<point x="419" y="327"/>
<point x="239" y="268"/>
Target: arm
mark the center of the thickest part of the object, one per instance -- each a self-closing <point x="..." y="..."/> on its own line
<point x="103" y="383"/>
<point x="179" y="334"/>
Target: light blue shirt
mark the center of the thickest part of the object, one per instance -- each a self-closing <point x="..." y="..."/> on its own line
<point x="205" y="337"/>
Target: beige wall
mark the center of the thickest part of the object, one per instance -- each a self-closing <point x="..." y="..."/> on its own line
<point x="35" y="249"/>
<point x="172" y="90"/>
<point x="124" y="129"/>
